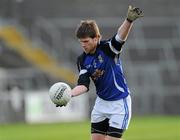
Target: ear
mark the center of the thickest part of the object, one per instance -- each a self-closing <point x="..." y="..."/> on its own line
<point x="99" y="37"/>
<point x="96" y="39"/>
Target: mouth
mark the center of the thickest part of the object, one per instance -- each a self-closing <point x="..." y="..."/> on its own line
<point x="85" y="48"/>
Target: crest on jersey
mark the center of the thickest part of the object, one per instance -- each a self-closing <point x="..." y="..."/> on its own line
<point x="94" y="64"/>
<point x="88" y="66"/>
<point x="97" y="74"/>
<point x="100" y="59"/>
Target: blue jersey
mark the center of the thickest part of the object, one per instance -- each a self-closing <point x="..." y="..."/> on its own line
<point x="105" y="69"/>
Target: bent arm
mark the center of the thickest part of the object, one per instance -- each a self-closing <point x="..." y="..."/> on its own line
<point x="132" y="14"/>
<point x="78" y="90"/>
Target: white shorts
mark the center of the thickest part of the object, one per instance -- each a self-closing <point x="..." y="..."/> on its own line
<point x="118" y="112"/>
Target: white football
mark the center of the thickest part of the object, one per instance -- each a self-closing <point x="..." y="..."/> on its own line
<point x="60" y="93"/>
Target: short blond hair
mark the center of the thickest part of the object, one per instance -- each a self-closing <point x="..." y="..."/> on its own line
<point x="87" y="28"/>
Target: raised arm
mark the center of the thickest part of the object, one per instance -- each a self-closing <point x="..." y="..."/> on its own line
<point x="132" y="14"/>
<point x="124" y="30"/>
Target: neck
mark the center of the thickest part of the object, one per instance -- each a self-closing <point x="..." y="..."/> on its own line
<point x="93" y="50"/>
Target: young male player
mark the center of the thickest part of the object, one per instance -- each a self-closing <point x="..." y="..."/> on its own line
<point x="100" y="61"/>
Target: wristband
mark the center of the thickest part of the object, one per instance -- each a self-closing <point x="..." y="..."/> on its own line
<point x="129" y="20"/>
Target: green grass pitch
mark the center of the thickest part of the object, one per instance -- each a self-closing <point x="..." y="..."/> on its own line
<point x="141" y="128"/>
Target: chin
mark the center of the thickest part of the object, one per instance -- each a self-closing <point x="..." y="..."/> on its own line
<point x="86" y="51"/>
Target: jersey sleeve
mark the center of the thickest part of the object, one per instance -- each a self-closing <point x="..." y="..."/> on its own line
<point x="112" y="46"/>
<point x="83" y="73"/>
<point x="116" y="44"/>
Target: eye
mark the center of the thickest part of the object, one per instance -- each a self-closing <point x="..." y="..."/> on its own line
<point x="86" y="41"/>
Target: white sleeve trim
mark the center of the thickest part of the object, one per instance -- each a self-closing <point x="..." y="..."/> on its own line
<point x="83" y="71"/>
<point x="113" y="49"/>
<point x="115" y="82"/>
<point x="118" y="38"/>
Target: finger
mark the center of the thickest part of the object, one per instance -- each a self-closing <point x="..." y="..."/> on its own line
<point x="138" y="11"/>
<point x="57" y="105"/>
<point x="134" y="8"/>
<point x="130" y="7"/>
<point x="65" y="103"/>
<point x="141" y="15"/>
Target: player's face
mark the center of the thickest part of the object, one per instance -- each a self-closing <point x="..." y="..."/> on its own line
<point x="89" y="44"/>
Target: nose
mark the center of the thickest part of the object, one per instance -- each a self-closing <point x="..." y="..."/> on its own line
<point x="82" y="44"/>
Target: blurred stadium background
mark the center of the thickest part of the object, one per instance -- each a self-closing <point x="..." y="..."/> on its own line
<point x="38" y="48"/>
